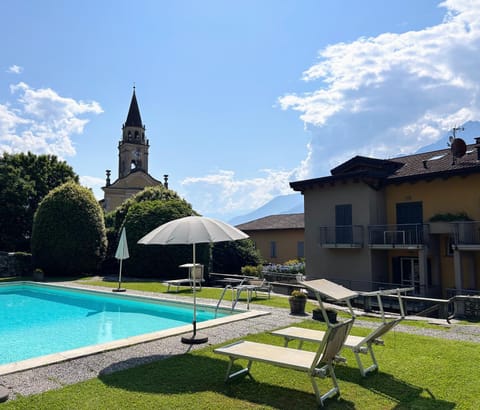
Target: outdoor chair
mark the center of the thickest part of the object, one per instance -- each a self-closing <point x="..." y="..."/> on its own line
<point x="357" y="344"/>
<point x="315" y="364"/>
<point x="253" y="285"/>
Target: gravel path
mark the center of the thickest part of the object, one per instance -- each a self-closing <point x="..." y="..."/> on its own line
<point x="58" y="375"/>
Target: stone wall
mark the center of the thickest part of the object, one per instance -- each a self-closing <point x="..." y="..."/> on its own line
<point x="15" y="264"/>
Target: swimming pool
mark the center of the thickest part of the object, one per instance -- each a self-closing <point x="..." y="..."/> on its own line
<point x="56" y="323"/>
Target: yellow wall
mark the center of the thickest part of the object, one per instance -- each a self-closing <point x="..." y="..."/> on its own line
<point x="440" y="196"/>
<point x="286" y="240"/>
<point x="454" y="195"/>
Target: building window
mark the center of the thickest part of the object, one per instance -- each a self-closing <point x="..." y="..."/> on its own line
<point x="300" y="249"/>
<point x="409" y="213"/>
<point x="343" y="223"/>
<point x="273" y="249"/>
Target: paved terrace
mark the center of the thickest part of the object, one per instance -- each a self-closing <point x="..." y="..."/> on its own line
<point x="58" y="375"/>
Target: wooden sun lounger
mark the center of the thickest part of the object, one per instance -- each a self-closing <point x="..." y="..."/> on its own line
<point x="357" y="344"/>
<point x="195" y="277"/>
<point x="315" y="364"/>
<point x="182" y="282"/>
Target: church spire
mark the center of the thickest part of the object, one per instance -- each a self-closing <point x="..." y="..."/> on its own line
<point x="133" y="148"/>
<point x="133" y="118"/>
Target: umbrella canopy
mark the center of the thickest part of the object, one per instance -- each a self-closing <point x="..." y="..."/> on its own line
<point x="191" y="230"/>
<point x="122" y="249"/>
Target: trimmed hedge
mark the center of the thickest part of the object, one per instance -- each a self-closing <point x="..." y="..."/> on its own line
<point x="116" y="218"/>
<point x="69" y="236"/>
<point x="159" y="261"/>
<point x="230" y="257"/>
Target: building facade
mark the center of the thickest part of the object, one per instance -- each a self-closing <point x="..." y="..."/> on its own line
<point x="133" y="174"/>
<point x="409" y="221"/>
<point x="279" y="238"/>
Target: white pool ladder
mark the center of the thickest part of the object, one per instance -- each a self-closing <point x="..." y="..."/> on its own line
<point x="234" y="299"/>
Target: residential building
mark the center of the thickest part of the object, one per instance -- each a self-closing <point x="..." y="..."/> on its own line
<point x="279" y="238"/>
<point x="133" y="174"/>
<point x="408" y="221"/>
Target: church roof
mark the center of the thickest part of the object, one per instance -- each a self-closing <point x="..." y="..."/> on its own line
<point x="133" y="118"/>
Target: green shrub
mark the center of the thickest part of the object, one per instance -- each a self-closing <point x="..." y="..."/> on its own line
<point x="158" y="260"/>
<point x="229" y="257"/>
<point x="250" y="270"/>
<point x="69" y="232"/>
<point x="450" y="217"/>
<point x="298" y="294"/>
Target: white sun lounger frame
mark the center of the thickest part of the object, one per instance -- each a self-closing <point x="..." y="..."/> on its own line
<point x="315" y="364"/>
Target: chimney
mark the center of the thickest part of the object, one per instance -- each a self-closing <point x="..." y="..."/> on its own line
<point x="477" y="142"/>
<point x="165" y="181"/>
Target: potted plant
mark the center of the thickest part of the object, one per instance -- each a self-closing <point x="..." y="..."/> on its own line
<point x="331" y="314"/>
<point x="297" y="300"/>
<point x="38" y="275"/>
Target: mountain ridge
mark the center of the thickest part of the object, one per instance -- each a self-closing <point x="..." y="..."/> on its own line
<point x="282" y="204"/>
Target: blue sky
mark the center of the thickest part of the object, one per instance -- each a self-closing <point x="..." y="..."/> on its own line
<point x="238" y="97"/>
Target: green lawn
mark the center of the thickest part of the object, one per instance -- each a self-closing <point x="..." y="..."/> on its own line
<point x="205" y="292"/>
<point x="416" y="372"/>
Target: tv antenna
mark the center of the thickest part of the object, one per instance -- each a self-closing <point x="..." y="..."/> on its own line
<point x="457" y="145"/>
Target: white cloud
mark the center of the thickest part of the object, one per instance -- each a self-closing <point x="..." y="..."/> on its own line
<point x="390" y="95"/>
<point x="94" y="183"/>
<point x="223" y="194"/>
<point x="381" y="96"/>
<point x="41" y="121"/>
<point x="15" y="69"/>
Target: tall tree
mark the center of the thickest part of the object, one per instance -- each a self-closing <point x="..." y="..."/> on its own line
<point x="25" y="179"/>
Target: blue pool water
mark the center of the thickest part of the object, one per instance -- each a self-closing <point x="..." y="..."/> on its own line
<point x="38" y="320"/>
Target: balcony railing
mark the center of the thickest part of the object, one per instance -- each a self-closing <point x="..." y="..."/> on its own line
<point x="467" y="234"/>
<point x="397" y="236"/>
<point x="341" y="236"/>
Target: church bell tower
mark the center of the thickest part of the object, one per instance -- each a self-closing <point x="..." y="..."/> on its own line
<point x="133" y="174"/>
<point x="133" y="148"/>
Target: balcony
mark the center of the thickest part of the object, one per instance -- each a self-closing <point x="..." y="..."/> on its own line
<point x="342" y="236"/>
<point x="467" y="235"/>
<point x="406" y="236"/>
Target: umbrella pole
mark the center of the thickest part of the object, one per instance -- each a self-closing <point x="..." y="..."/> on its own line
<point x="119" y="289"/>
<point x="194" y="339"/>
<point x="194" y="273"/>
<point x="120" y="275"/>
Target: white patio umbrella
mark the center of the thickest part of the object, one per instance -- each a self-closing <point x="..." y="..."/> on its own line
<point x="192" y="230"/>
<point x="121" y="253"/>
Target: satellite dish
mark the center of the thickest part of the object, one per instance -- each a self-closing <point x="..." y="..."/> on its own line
<point x="459" y="148"/>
